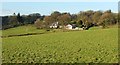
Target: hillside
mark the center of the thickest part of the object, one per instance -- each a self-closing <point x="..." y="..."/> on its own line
<point x="97" y="45"/>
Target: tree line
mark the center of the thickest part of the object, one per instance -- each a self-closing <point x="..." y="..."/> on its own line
<point x="83" y="18"/>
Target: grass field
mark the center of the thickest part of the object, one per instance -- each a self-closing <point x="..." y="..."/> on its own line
<point x="21" y="30"/>
<point x="97" y="46"/>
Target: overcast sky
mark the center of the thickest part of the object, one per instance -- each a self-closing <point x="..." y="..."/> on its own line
<point x="45" y="8"/>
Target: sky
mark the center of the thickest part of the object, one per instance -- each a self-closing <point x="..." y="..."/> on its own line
<point x="46" y="8"/>
<point x="59" y="0"/>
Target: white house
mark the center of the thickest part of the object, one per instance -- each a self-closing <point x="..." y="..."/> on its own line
<point x="68" y="26"/>
<point x="54" y="25"/>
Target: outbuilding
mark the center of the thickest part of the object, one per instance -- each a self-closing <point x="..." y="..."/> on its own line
<point x="68" y="26"/>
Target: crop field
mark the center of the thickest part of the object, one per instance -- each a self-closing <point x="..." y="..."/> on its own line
<point x="97" y="46"/>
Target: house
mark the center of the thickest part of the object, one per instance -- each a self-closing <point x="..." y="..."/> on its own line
<point x="54" y="25"/>
<point x="69" y="26"/>
<point x="73" y="27"/>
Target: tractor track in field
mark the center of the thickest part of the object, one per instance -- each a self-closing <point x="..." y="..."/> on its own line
<point x="27" y="34"/>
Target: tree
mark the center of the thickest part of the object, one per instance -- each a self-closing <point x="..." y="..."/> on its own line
<point x="64" y="19"/>
<point x="27" y="19"/>
<point x="74" y="17"/>
<point x="20" y="19"/>
<point x="80" y="16"/>
<point x="32" y="17"/>
<point x="55" y="14"/>
<point x="96" y="17"/>
<point x="13" y="22"/>
<point x="83" y="18"/>
<point x="4" y="22"/>
<point x="108" y="11"/>
<point x="106" y="19"/>
<point x="39" y="24"/>
<point x="48" y="21"/>
<point x="80" y="23"/>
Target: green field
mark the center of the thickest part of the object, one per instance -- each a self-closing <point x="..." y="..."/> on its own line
<point x="21" y="30"/>
<point x="97" y="46"/>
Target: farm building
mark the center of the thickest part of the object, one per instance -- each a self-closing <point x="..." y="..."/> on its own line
<point x="69" y="26"/>
<point x="54" y="25"/>
<point x="73" y="27"/>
